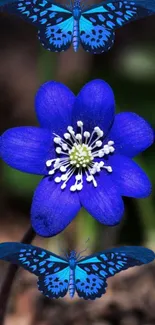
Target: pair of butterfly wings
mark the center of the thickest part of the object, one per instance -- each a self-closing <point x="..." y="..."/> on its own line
<point x="96" y="25"/>
<point x="90" y="273"/>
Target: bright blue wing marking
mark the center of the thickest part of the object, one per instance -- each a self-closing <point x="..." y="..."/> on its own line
<point x="32" y="258"/>
<point x="92" y="272"/>
<point x="95" y="38"/>
<point x="52" y="270"/>
<point x="147" y="4"/>
<point x="142" y="254"/>
<point x="25" y="9"/>
<point x="114" y="14"/>
<point x="88" y="284"/>
<point x="38" y="12"/>
<point x="54" y="22"/>
<point x="55" y="285"/>
<point x="57" y="37"/>
<point x="55" y="32"/>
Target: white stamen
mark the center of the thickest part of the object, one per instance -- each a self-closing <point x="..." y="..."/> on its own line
<point x="51" y="172"/>
<point x="78" y="136"/>
<point x="64" y="146"/>
<point x="79" y="123"/>
<point x="70" y="128"/>
<point x="89" y="178"/>
<point x="110" y="143"/>
<point x="48" y="163"/>
<point x="64" y="177"/>
<point x="67" y="136"/>
<point x="78" y="156"/>
<point x="101" y="153"/>
<point x="111" y="149"/>
<point x="98" y="143"/>
<point x="79" y="187"/>
<point x="86" y="134"/>
<point x="73" y="188"/>
<point x="109" y="169"/>
<point x="78" y="177"/>
<point x="58" y="150"/>
<point x="97" y="129"/>
<point x="99" y="132"/>
<point x="57" y="140"/>
<point x="63" y="186"/>
<point x="63" y="169"/>
<point x="57" y="179"/>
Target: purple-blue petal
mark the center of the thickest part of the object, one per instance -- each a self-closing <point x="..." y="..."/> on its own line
<point x="52" y="208"/>
<point x="129" y="178"/>
<point x="94" y="106"/>
<point x="131" y="134"/>
<point x="54" y="103"/>
<point x="27" y="149"/>
<point x="104" y="202"/>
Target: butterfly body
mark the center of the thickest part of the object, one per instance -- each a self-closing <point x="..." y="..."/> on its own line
<point x="76" y="19"/>
<point x="93" y="27"/>
<point x="72" y="263"/>
<point x="71" y="287"/>
<point x="76" y="35"/>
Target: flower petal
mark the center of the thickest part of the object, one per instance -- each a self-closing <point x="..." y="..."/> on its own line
<point x="52" y="208"/>
<point x="95" y="106"/>
<point x="54" y="102"/>
<point x="129" y="177"/>
<point x="27" y="149"/>
<point x="103" y="202"/>
<point x="131" y="134"/>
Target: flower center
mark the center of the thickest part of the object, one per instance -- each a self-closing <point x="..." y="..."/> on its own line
<point x="79" y="154"/>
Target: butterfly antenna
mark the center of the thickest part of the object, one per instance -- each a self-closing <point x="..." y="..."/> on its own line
<point x="84" y="4"/>
<point x="87" y="240"/>
<point x="70" y="4"/>
<point x="84" y="250"/>
<point x="64" y="253"/>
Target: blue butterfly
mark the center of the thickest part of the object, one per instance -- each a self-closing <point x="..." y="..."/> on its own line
<point x="92" y="27"/>
<point x="73" y="273"/>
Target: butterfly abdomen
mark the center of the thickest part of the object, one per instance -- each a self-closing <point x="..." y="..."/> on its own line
<point x="72" y="283"/>
<point x="76" y="35"/>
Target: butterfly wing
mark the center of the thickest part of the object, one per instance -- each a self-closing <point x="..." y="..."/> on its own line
<point x="52" y="270"/>
<point x="57" y="38"/>
<point x="54" y="22"/>
<point x="97" y="23"/>
<point x="55" y="34"/>
<point x="145" y="4"/>
<point x="93" y="271"/>
<point x="55" y="285"/>
<point x="95" y="38"/>
<point x="6" y="2"/>
<point x="26" y="9"/>
<point x="114" y="14"/>
<point x="88" y="284"/>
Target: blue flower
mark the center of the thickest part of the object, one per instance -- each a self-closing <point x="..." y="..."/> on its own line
<point x="85" y="153"/>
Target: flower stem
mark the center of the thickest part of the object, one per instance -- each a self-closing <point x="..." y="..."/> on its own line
<point x="8" y="281"/>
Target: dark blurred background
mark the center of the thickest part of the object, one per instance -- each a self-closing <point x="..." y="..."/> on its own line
<point x="129" y="67"/>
